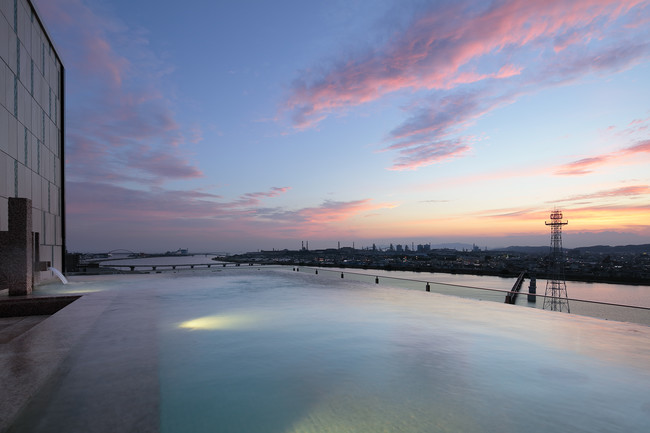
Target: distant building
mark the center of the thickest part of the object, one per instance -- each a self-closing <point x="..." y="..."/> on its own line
<point x="31" y="141"/>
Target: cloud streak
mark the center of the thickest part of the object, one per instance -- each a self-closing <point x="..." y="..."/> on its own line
<point x="627" y="191"/>
<point x="118" y="209"/>
<point x="585" y="215"/>
<point x="120" y="127"/>
<point x="335" y="211"/>
<point x="590" y="164"/>
<point x="463" y="59"/>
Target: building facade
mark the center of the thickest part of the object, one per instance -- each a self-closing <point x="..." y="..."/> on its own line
<point x="32" y="132"/>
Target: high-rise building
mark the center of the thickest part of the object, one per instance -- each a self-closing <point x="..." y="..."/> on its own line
<point x="31" y="142"/>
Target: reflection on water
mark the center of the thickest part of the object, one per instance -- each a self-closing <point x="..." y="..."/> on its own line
<point x="298" y="353"/>
<point x="491" y="288"/>
<point x="222" y="322"/>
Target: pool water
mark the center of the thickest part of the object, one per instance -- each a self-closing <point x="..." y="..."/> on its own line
<point x="248" y="350"/>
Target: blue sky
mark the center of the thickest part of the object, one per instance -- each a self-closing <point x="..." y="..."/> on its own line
<point x="238" y="126"/>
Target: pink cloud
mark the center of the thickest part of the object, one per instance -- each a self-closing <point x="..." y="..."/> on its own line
<point x="103" y="202"/>
<point x="333" y="211"/>
<point x="588" y="165"/>
<point x="450" y="46"/>
<point x="274" y="192"/>
<point x="94" y="56"/>
<point x="254" y="198"/>
<point x="166" y="165"/>
<point x="121" y="127"/>
<point x="432" y="50"/>
<point x="641" y="147"/>
<point x="507" y="71"/>
<point x="627" y="191"/>
<point x="638" y="121"/>
<point x="583" y="166"/>
<point x="102" y="60"/>
<point x="516" y="213"/>
<point x="165" y="215"/>
<point x="426" y="154"/>
<point x="439" y="117"/>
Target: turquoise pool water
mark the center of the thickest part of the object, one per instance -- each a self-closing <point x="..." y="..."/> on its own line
<point x="248" y="350"/>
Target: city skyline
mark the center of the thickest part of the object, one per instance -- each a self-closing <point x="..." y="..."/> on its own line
<point x="256" y="125"/>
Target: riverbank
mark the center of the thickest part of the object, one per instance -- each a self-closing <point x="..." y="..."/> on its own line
<point x="622" y="269"/>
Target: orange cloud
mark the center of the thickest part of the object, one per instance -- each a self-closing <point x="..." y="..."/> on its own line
<point x="605" y="218"/>
<point x="334" y="211"/>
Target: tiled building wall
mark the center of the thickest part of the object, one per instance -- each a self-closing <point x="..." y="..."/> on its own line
<point x="31" y="127"/>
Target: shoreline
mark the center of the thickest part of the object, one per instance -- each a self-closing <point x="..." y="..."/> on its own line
<point x="514" y="273"/>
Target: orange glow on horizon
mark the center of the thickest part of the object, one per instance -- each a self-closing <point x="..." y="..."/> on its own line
<point x="499" y="224"/>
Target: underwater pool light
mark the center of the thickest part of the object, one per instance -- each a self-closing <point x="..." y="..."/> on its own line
<point x="221" y="322"/>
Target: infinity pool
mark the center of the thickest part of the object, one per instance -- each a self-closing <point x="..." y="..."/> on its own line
<point x="249" y="350"/>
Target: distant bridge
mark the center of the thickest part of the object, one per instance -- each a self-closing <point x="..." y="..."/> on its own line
<point x="164" y="266"/>
<point x="121" y="251"/>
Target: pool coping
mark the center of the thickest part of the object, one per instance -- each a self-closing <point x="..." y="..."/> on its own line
<point x="21" y="306"/>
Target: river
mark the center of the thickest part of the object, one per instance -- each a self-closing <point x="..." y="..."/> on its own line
<point x="603" y="300"/>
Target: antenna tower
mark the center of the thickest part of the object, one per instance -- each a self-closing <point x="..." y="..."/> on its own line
<point x="556" y="298"/>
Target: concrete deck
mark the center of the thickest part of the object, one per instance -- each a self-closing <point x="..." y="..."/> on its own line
<point x="55" y="366"/>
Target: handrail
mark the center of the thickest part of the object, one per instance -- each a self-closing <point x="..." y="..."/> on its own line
<point x="475" y="288"/>
<point x="427" y="282"/>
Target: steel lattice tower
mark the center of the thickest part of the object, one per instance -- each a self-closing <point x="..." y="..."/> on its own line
<point x="556" y="297"/>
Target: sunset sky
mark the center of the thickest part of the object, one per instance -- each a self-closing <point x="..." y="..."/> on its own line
<point x="244" y="125"/>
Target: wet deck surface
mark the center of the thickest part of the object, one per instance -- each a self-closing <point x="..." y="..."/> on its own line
<point x="54" y="366"/>
<point x="12" y="327"/>
<point x="108" y="381"/>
